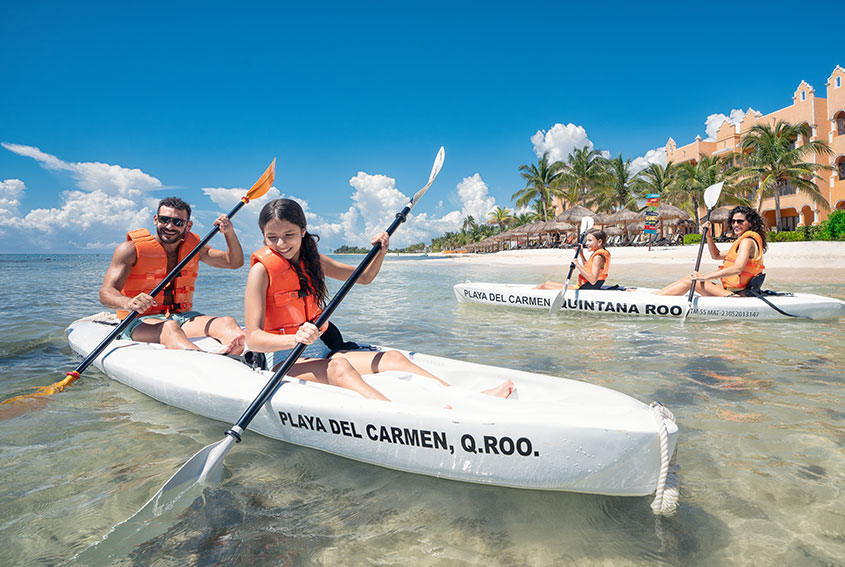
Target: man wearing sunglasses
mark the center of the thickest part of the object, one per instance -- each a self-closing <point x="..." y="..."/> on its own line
<point x="144" y="260"/>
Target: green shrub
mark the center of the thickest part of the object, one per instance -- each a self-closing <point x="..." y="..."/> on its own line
<point x="693" y="238"/>
<point x="785" y="236"/>
<point x="836" y="224"/>
<point x="809" y="232"/>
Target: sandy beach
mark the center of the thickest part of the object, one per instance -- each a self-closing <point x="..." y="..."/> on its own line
<point x="814" y="261"/>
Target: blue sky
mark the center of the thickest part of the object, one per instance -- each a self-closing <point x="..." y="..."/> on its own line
<point x="108" y="107"/>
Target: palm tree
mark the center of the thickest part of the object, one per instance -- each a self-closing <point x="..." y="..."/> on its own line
<point x="617" y="194"/>
<point x="541" y="183"/>
<point x="657" y="179"/>
<point x="523" y="218"/>
<point x="500" y="217"/>
<point x="694" y="178"/>
<point x="469" y="224"/>
<point x="586" y="172"/>
<point x="775" y="162"/>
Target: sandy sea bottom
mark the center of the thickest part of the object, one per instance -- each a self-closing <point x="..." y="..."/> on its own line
<point x="759" y="406"/>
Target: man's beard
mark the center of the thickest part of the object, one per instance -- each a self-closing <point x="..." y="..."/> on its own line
<point x="169" y="239"/>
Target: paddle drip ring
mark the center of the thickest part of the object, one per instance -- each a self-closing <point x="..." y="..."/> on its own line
<point x="245" y="199"/>
<point x="666" y="494"/>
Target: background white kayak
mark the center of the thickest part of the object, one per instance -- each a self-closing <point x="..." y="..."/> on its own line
<point x="643" y="303"/>
<point x="552" y="433"/>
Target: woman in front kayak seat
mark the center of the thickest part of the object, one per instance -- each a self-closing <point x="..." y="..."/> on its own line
<point x="285" y="292"/>
<point x="740" y="263"/>
<point x="593" y="272"/>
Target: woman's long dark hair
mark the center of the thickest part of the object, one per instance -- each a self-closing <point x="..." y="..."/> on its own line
<point x="752" y="216"/>
<point x="288" y="210"/>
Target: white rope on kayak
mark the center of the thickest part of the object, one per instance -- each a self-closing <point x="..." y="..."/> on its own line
<point x="666" y="495"/>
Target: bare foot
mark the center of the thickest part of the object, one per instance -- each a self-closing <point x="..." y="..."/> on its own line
<point x="235" y="346"/>
<point x="503" y="390"/>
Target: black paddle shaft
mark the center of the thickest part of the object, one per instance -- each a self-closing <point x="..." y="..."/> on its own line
<point x="277" y="378"/>
<point x="92" y="356"/>
<point x="577" y="251"/>
<point x="700" y="252"/>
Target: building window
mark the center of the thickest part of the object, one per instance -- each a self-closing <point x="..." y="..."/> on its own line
<point x="788" y="189"/>
<point x="803" y="95"/>
<point x="840" y="123"/>
<point x="788" y="223"/>
<point x="840" y="165"/>
<point x="838" y="82"/>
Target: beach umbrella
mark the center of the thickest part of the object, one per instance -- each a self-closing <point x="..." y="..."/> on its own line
<point x="613" y="231"/>
<point x="575" y="214"/>
<point x="623" y="217"/>
<point x="720" y="214"/>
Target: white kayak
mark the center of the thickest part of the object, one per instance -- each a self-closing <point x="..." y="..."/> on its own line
<point x="641" y="302"/>
<point x="550" y="434"/>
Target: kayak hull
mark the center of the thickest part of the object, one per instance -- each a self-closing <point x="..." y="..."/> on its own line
<point x="641" y="302"/>
<point x="551" y="434"/>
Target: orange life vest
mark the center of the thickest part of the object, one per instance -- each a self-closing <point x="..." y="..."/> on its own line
<point x="589" y="266"/>
<point x="753" y="267"/>
<point x="151" y="268"/>
<point x="287" y="305"/>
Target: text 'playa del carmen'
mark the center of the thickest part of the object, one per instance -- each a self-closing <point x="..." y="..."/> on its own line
<point x="411" y="437"/>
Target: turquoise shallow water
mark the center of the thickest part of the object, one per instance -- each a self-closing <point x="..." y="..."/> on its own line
<point x="759" y="405"/>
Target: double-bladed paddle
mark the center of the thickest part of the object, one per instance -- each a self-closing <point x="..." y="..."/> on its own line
<point x="586" y="224"/>
<point x="259" y="189"/>
<point x="711" y="197"/>
<point x="205" y="465"/>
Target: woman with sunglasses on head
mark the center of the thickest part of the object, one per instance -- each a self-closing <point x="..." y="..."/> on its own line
<point x="285" y="292"/>
<point x="740" y="263"/>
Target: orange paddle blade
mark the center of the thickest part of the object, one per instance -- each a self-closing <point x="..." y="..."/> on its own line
<point x="54" y="388"/>
<point x="264" y="183"/>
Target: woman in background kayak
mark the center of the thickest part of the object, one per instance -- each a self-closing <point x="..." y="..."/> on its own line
<point x="592" y="273"/>
<point x="741" y="262"/>
<point x="285" y="292"/>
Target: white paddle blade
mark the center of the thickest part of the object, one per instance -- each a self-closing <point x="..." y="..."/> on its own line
<point x="204" y="467"/>
<point x="435" y="169"/>
<point x="557" y="303"/>
<point x="587" y="223"/>
<point x="711" y="194"/>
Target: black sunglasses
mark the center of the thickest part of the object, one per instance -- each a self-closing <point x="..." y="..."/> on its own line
<point x="177" y="222"/>
<point x="733" y="221"/>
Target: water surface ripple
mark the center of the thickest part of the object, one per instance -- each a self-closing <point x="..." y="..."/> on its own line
<point x="759" y="406"/>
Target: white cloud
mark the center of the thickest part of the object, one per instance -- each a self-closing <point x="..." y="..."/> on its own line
<point x="657" y="155"/>
<point x="108" y="201"/>
<point x="246" y="220"/>
<point x="715" y="121"/>
<point x="559" y="141"/>
<point x="11" y="190"/>
<point x="375" y="202"/>
<point x="94" y="176"/>
<point x="476" y="201"/>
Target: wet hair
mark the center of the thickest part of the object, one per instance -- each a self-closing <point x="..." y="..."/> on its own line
<point x="289" y="210"/>
<point x="753" y="217"/>
<point x="599" y="235"/>
<point x="174" y="203"/>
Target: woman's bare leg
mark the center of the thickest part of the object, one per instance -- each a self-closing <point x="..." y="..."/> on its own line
<point x="372" y="362"/>
<point x="338" y="373"/>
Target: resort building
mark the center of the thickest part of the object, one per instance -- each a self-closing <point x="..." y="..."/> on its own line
<point x="826" y="117"/>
